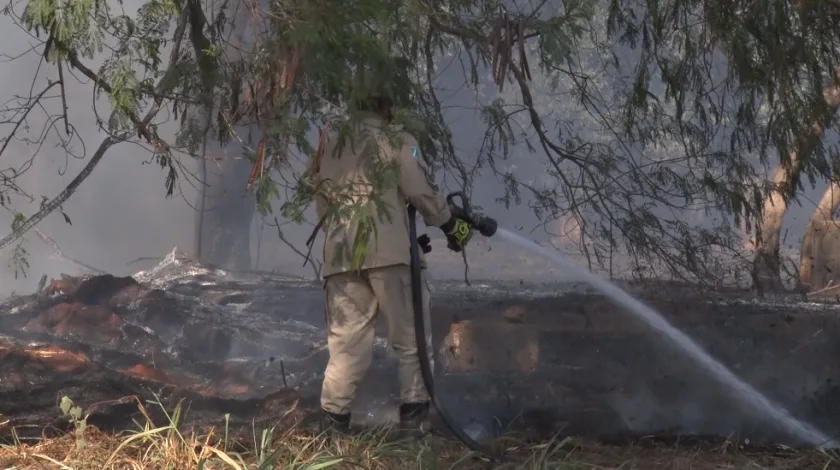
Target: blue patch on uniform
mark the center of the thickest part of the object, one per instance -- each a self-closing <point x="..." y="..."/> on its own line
<point x="415" y="152"/>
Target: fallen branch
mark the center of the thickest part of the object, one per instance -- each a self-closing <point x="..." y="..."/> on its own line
<point x="262" y="272"/>
<point x="156" y="258"/>
<point x="825" y="289"/>
<point x="259" y="272"/>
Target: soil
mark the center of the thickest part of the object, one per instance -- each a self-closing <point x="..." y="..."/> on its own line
<point x="694" y="454"/>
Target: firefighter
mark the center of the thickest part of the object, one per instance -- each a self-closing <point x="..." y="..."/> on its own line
<point x="354" y="294"/>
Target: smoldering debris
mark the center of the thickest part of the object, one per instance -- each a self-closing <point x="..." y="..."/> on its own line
<point x="539" y="359"/>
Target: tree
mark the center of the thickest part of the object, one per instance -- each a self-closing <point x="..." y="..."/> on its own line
<point x="627" y="192"/>
<point x="780" y="77"/>
<point x="378" y="36"/>
<point x="818" y="223"/>
<point x="766" y="268"/>
<point x="225" y="210"/>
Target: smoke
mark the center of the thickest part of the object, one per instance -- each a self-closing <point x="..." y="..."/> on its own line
<point x="121" y="222"/>
<point x="641" y="411"/>
<point x="120" y="214"/>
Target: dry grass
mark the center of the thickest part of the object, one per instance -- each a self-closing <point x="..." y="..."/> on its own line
<point x="170" y="447"/>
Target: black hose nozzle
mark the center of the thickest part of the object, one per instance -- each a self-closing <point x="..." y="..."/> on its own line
<point x="486" y="226"/>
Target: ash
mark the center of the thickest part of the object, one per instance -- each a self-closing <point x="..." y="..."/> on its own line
<point x="537" y="358"/>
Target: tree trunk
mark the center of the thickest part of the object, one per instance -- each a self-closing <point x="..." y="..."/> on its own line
<point x="224" y="222"/>
<point x="767" y="262"/>
<point x="823" y="214"/>
<point x="225" y="211"/>
<point x="766" y="271"/>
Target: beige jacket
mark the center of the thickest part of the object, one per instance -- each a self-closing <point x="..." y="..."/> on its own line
<point x="343" y="180"/>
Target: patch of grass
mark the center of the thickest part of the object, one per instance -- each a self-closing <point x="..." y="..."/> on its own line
<point x="169" y="446"/>
<point x="172" y="447"/>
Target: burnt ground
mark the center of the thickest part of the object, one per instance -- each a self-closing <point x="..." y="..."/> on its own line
<point x="539" y="361"/>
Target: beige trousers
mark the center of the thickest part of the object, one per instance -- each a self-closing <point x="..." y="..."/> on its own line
<point x="352" y="302"/>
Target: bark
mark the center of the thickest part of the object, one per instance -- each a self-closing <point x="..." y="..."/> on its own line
<point x="766" y="271"/>
<point x="225" y="227"/>
<point x="767" y="262"/>
<point x="823" y="215"/>
<point x="225" y="212"/>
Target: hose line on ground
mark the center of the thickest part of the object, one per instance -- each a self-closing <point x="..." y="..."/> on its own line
<point x="423" y="350"/>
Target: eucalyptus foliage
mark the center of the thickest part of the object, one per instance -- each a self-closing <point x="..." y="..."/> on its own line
<point x="745" y="80"/>
<point x="726" y="81"/>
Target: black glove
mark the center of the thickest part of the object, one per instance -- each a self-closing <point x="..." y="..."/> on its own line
<point x="425" y="243"/>
<point x="458" y="233"/>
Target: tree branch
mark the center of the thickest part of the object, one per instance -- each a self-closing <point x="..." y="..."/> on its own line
<point x="316" y="268"/>
<point x="20" y="121"/>
<point x="56" y="202"/>
<point x="106" y="144"/>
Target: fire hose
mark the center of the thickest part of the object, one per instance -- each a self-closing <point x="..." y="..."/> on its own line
<point x="487" y="227"/>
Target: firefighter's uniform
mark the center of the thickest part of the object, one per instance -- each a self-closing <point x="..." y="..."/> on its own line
<point x="383" y="282"/>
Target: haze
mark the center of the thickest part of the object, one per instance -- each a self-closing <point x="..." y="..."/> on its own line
<point x="120" y="214"/>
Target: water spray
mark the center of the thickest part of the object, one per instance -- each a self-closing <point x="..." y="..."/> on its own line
<point x="745" y="393"/>
<point x="748" y="395"/>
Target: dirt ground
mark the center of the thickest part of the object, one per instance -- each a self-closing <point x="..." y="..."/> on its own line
<point x="694" y="454"/>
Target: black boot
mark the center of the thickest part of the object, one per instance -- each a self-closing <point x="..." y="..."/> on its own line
<point x="335" y="423"/>
<point x="414" y="418"/>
